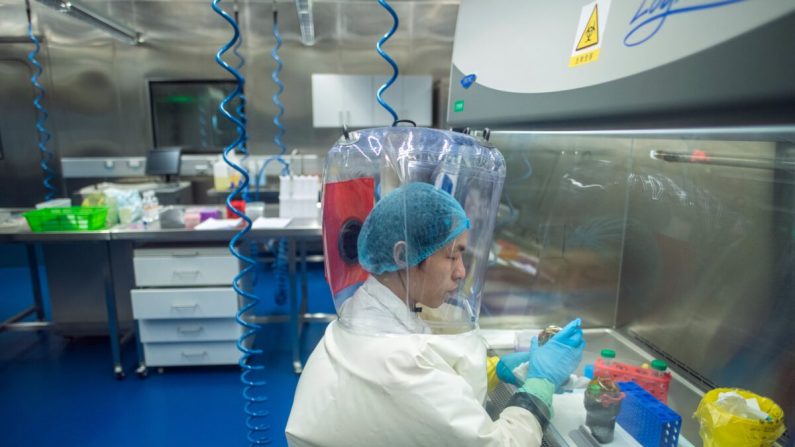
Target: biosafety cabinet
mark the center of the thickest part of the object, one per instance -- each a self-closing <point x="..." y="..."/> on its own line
<point x="651" y="177"/>
<point x="536" y="63"/>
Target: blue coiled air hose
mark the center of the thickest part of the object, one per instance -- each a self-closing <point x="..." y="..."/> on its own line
<point x="253" y="392"/>
<point x="387" y="58"/>
<point x="41" y="114"/>
<point x="276" y="98"/>
<point x="241" y="108"/>
<point x="280" y="264"/>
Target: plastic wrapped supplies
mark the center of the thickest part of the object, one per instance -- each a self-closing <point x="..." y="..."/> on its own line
<point x="124" y="205"/>
<point x="738" y="418"/>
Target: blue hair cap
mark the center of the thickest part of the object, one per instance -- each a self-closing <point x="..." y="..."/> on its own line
<point x="422" y="216"/>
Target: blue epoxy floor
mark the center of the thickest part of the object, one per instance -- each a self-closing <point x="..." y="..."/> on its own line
<point x="59" y="391"/>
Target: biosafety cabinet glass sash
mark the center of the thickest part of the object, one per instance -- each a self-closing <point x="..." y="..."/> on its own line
<point x="408" y="220"/>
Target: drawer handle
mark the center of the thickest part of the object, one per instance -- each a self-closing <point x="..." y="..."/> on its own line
<point x="194" y="273"/>
<point x="189" y="329"/>
<point x="189" y="254"/>
<point x="184" y="306"/>
<point x="190" y="354"/>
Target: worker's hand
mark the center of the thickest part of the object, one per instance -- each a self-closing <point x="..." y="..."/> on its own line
<point x="559" y="357"/>
<point x="512" y="368"/>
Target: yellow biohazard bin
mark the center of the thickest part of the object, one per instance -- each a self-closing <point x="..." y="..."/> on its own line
<point x="720" y="428"/>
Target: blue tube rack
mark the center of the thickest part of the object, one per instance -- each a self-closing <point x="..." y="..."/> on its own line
<point x="647" y="419"/>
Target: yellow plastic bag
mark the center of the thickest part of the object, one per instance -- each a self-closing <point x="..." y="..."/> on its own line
<point x="719" y="428"/>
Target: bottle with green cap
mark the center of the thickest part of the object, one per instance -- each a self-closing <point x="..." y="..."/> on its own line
<point x="602" y="402"/>
<point x="659" y="367"/>
<point x="607" y="355"/>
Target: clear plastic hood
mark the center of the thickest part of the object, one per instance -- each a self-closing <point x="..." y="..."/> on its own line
<point x="408" y="220"/>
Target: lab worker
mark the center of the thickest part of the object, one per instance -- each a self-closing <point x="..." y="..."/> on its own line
<point x="389" y="372"/>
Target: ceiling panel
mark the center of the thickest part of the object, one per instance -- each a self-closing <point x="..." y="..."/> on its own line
<point x="187" y="21"/>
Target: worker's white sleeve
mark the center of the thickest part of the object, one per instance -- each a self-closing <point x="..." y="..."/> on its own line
<point x="363" y="391"/>
<point x="441" y="409"/>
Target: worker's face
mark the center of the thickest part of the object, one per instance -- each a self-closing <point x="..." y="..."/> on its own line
<point x="433" y="280"/>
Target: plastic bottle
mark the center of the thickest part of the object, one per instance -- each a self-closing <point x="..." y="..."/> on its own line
<point x="607" y="356"/>
<point x="151" y="207"/>
<point x="221" y="175"/>
<point x="658" y="367"/>
<point x="602" y="404"/>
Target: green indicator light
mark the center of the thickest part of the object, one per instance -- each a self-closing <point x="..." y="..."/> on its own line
<point x="180" y="99"/>
<point x="459" y="106"/>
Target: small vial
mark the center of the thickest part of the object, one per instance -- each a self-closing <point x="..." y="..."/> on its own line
<point x="151" y="207"/>
<point x="607" y="355"/>
<point x="659" y="367"/>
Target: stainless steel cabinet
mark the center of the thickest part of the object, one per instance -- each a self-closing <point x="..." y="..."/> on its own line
<point x="350" y="100"/>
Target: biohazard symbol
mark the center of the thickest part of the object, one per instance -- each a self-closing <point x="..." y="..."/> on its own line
<point x="590" y="35"/>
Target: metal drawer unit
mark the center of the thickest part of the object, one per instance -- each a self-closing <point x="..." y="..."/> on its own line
<point x="210" y="302"/>
<point x="186" y="354"/>
<point x="184" y="307"/>
<point x="210" y="329"/>
<point x="184" y="267"/>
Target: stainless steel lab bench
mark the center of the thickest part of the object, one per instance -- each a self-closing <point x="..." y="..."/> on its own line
<point x="298" y="232"/>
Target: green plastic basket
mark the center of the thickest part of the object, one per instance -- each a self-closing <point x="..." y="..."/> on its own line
<point x="73" y="218"/>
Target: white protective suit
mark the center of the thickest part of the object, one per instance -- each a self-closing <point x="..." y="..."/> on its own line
<point x="407" y="389"/>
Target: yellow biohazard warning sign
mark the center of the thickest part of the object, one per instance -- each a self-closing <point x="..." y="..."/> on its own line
<point x="590" y="33"/>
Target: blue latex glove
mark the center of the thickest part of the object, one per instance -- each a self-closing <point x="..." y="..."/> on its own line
<point x="508" y="364"/>
<point x="559" y="357"/>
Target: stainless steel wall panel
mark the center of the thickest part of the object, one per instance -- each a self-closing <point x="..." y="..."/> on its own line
<point x="100" y="84"/>
<point x="691" y="254"/>
<point x="13" y="20"/>
<point x="85" y="99"/>
<point x="435" y="22"/>
<point x="20" y="175"/>
<point x="98" y="94"/>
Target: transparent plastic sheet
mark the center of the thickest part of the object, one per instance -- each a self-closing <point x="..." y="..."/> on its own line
<point x="721" y="428"/>
<point x="438" y="248"/>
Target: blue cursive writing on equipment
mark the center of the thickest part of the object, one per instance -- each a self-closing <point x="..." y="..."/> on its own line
<point x="652" y="14"/>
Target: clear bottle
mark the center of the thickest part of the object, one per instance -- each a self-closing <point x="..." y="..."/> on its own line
<point x="221" y="175"/>
<point x="151" y="207"/>
<point x="607" y="355"/>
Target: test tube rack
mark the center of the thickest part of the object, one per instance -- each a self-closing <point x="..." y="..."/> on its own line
<point x="647" y="419"/>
